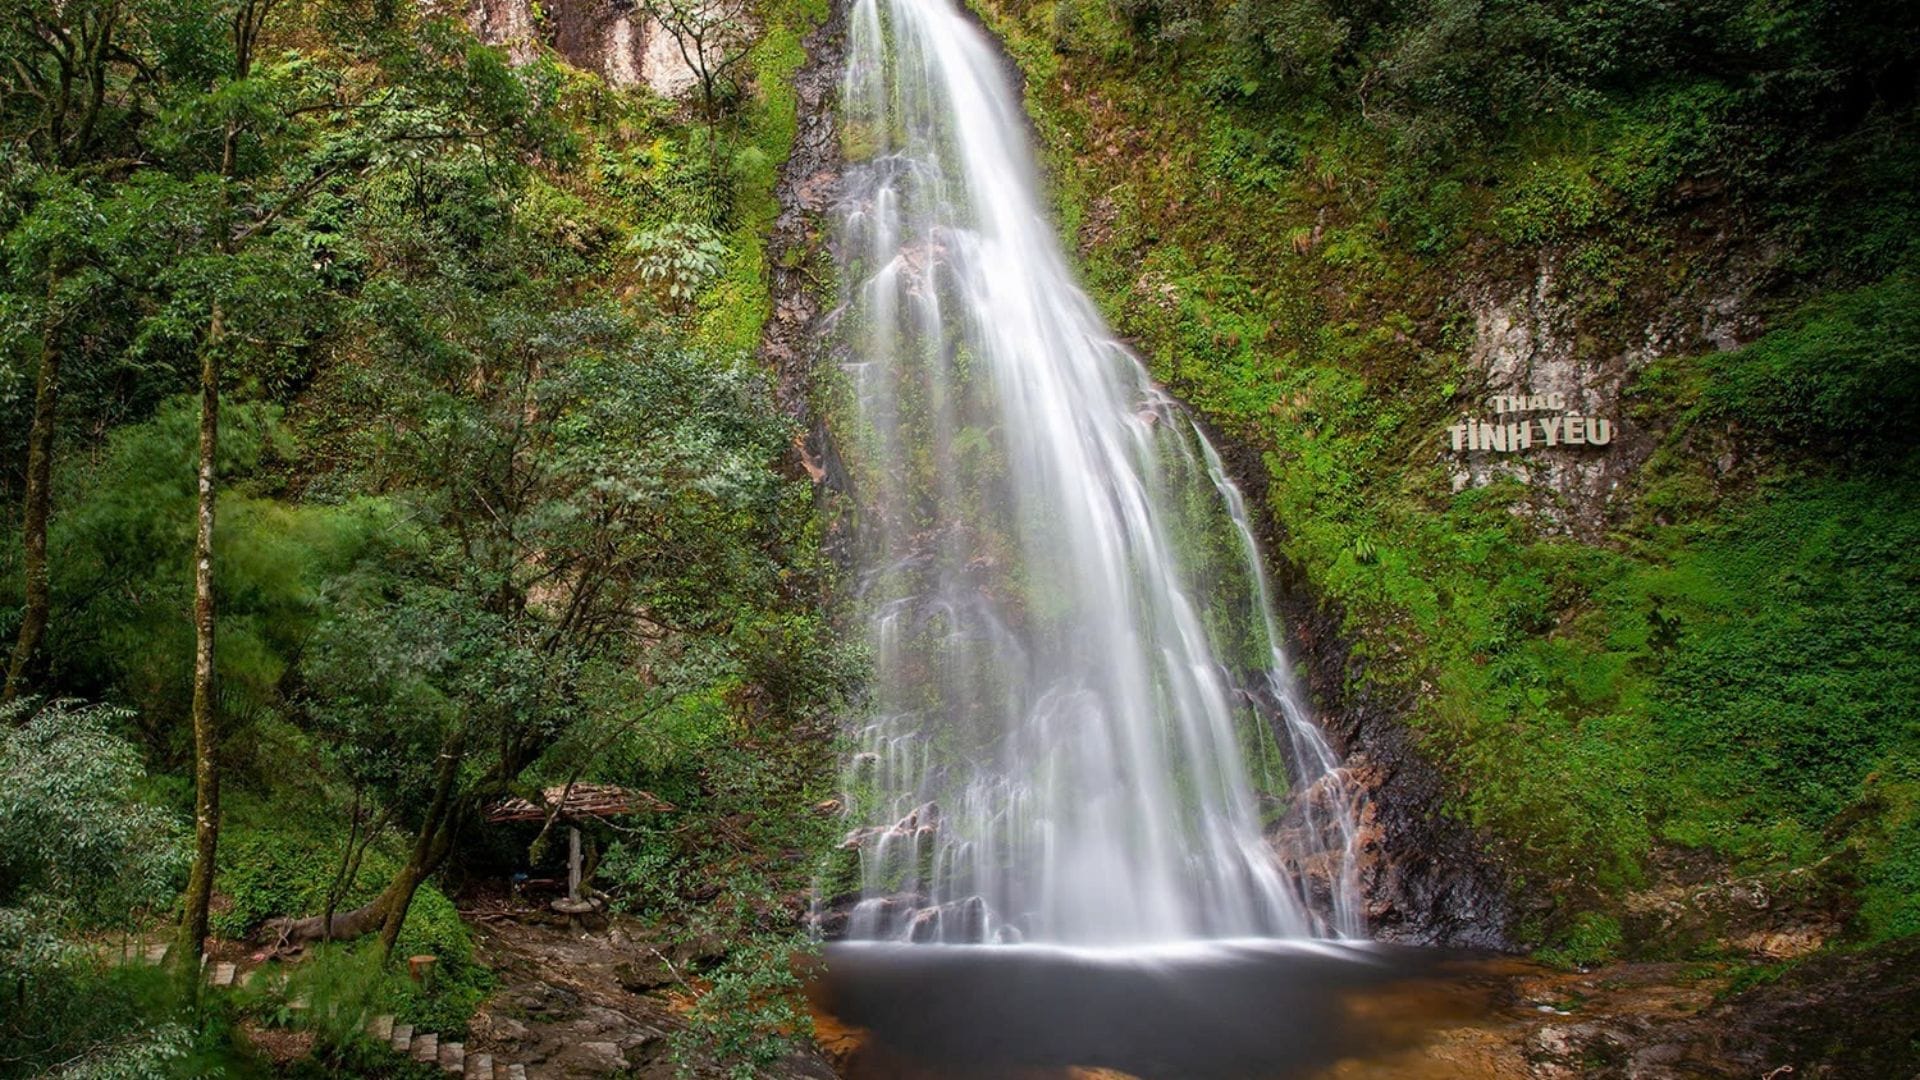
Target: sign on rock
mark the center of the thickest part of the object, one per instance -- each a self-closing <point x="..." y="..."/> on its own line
<point x="1516" y="426"/>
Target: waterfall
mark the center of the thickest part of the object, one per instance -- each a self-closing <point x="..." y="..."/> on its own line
<point x="1082" y="727"/>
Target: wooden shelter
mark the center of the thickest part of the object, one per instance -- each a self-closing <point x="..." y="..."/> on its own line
<point x="573" y="804"/>
<point x="579" y="802"/>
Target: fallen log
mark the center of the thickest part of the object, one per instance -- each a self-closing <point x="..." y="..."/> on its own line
<point x="290" y="931"/>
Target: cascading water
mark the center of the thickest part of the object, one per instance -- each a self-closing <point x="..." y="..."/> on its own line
<point x="1077" y="674"/>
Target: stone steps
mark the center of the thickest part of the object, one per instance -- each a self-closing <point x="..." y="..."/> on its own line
<point x="424" y="1047"/>
<point x="452" y="1057"/>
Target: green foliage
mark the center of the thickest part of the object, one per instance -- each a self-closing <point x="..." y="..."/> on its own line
<point x="681" y="258"/>
<point x="1552" y="200"/>
<point x="80" y="850"/>
<point x="1890" y="909"/>
<point x="347" y="984"/>
<point x="458" y="984"/>
<point x="495" y="487"/>
<point x="1785" y="659"/>
<point x="752" y="1011"/>
<point x="1591" y="938"/>
<point x="77" y="844"/>
<point x="121" y="588"/>
<point x="1885" y="831"/>
<point x="281" y="860"/>
<point x="738" y="917"/>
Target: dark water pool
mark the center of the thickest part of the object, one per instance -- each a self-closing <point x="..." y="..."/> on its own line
<point x="1253" y="1010"/>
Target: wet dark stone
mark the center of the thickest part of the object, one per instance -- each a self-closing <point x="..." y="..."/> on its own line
<point x="1425" y="878"/>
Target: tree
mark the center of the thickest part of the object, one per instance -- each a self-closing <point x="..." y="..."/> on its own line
<point x="68" y="70"/>
<point x="248" y="22"/>
<point x="713" y="38"/>
<point x="597" y="515"/>
<point x="65" y="75"/>
<point x="289" y="129"/>
<point x="51" y="248"/>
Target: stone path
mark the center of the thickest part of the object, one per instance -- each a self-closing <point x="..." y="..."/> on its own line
<point x="425" y="1047"/>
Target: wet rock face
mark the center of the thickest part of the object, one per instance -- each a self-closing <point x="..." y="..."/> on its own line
<point x="798" y="251"/>
<point x="615" y="39"/>
<point x="1426" y="879"/>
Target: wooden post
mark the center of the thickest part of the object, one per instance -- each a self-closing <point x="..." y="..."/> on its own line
<point x="573" y="862"/>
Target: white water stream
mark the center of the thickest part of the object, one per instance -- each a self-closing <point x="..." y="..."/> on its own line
<point x="1082" y="728"/>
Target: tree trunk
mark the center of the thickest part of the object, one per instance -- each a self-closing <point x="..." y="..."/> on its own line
<point x="388" y="911"/>
<point x="206" y="735"/>
<point x="357" y="844"/>
<point x="431" y="845"/>
<point x="46" y="400"/>
<point x="343" y="926"/>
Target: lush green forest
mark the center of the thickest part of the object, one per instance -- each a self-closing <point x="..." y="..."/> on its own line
<point x="382" y="436"/>
<point x="452" y="358"/>
<point x="1287" y="204"/>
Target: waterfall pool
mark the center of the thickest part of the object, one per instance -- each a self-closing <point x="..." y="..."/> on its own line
<point x="1247" y="1009"/>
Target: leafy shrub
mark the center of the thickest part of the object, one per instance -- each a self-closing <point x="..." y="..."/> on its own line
<point x="1551" y="201"/>
<point x="267" y="872"/>
<point x="278" y="863"/>
<point x="752" y="1010"/>
<point x="79" y="850"/>
<point x="458" y="984"/>
<point x="76" y="844"/>
<point x="680" y="259"/>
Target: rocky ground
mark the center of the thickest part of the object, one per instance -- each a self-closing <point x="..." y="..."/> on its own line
<point x="588" y="1001"/>
<point x="1843" y="1015"/>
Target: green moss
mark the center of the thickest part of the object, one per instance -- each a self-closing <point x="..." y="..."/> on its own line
<point x="1883" y="832"/>
<point x="1846" y="371"/>
<point x="1732" y="670"/>
<point x="1590" y="939"/>
<point x="736" y="309"/>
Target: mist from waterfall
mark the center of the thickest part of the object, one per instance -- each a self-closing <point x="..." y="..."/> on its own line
<point x="1081" y="728"/>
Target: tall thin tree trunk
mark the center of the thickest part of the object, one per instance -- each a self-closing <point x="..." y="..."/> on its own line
<point x="206" y="735"/>
<point x="46" y="401"/>
<point x="247" y="25"/>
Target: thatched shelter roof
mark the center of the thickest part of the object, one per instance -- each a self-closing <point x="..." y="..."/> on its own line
<point x="579" y="802"/>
